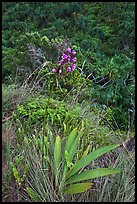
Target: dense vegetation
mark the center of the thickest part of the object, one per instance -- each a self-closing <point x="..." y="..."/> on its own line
<point x="67" y="71"/>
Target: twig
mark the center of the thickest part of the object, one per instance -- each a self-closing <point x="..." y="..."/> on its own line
<point x="5" y="119"/>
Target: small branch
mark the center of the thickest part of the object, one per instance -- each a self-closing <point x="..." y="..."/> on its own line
<point x="5" y="119"/>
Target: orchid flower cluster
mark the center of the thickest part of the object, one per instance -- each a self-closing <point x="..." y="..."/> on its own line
<point x="67" y="62"/>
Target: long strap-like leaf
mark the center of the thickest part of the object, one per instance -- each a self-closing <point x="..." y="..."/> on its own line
<point x="57" y="156"/>
<point x="77" y="188"/>
<point x="72" y="152"/>
<point x="90" y="174"/>
<point x="90" y="157"/>
<point x="71" y="139"/>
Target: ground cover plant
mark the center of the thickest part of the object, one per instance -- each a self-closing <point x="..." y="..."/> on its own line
<point x="68" y="110"/>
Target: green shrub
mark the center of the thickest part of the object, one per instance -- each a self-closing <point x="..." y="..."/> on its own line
<point x="58" y="114"/>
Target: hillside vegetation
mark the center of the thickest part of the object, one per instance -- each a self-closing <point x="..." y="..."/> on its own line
<point x="68" y="99"/>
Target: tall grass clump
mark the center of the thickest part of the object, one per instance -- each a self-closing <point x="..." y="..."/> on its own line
<point x="53" y="164"/>
<point x="119" y="188"/>
<point x="11" y="96"/>
<point x="122" y="187"/>
<point x="43" y="177"/>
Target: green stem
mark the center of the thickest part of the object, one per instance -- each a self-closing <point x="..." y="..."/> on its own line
<point x="44" y="131"/>
<point x="43" y="151"/>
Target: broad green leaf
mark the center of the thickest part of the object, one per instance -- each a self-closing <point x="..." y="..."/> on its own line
<point x="71" y="139"/>
<point x="72" y="152"/>
<point x="57" y="152"/>
<point x="73" y="148"/>
<point x="89" y="158"/>
<point x="65" y="170"/>
<point x="95" y="173"/>
<point x="57" y="158"/>
<point x="77" y="188"/>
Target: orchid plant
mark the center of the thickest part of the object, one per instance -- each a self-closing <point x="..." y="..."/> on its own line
<point x="67" y="63"/>
<point x="68" y="172"/>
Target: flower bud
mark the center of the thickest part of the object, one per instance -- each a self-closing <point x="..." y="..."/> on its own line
<point x="54" y="70"/>
<point x="73" y="67"/>
<point x="73" y="52"/>
<point x="68" y="49"/>
<point x="68" y="69"/>
<point x="74" y="59"/>
<point x="60" y="71"/>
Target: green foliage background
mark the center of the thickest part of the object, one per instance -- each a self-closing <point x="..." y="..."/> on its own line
<point x="34" y="35"/>
<point x="106" y="29"/>
<point x="103" y="34"/>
